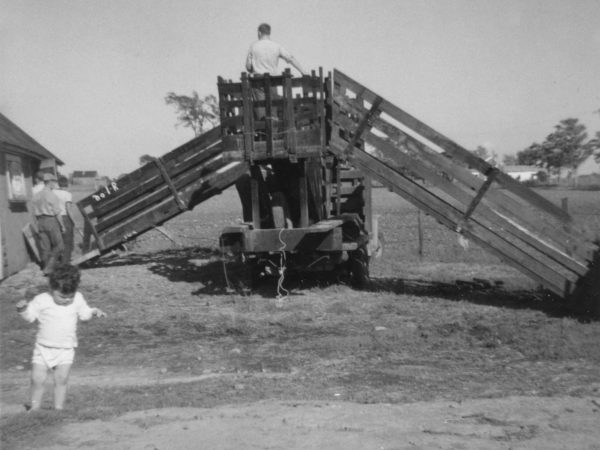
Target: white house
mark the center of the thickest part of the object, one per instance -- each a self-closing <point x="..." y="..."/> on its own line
<point x="523" y="173"/>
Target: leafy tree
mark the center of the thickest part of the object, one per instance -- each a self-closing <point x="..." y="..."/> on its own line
<point x="594" y="145"/>
<point x="542" y="176"/>
<point x="532" y="155"/>
<point x="145" y="159"/>
<point x="565" y="147"/>
<point x="194" y="112"/>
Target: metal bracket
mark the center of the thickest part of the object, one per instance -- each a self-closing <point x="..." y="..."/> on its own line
<point x="363" y="124"/>
<point x="491" y="174"/>
<point x="165" y="175"/>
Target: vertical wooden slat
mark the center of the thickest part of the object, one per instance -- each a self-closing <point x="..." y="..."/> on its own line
<point x="338" y="198"/>
<point x="303" y="195"/>
<point x="255" y="203"/>
<point x="327" y="187"/>
<point x="289" y="123"/>
<point x="248" y="118"/>
<point x="268" y="115"/>
<point x="368" y="208"/>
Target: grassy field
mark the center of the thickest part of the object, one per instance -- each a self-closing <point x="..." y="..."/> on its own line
<point x="175" y="337"/>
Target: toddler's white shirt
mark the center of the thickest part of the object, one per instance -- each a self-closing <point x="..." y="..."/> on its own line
<point x="57" y="324"/>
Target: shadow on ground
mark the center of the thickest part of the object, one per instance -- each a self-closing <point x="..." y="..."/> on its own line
<point x="222" y="275"/>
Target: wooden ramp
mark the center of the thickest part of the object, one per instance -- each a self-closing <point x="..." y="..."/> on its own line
<point x="460" y="190"/>
<point x="156" y="192"/>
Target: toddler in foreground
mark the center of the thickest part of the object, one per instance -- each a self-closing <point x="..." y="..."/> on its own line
<point x="57" y="313"/>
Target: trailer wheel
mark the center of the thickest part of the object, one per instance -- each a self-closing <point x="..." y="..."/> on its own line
<point x="359" y="268"/>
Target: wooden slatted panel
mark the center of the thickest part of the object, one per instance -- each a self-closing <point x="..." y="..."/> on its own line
<point x="203" y="189"/>
<point x="516" y="208"/>
<point x="448" y="215"/>
<point x="506" y="222"/>
<point x="510" y="206"/>
<point x="150" y="195"/>
<point x="463" y="197"/>
<point x="451" y="147"/>
<point x="294" y="116"/>
<point x="147" y="178"/>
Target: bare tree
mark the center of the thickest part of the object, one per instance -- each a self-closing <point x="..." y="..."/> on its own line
<point x="199" y="114"/>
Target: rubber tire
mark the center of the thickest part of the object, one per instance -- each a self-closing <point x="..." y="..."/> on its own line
<point x="359" y="268"/>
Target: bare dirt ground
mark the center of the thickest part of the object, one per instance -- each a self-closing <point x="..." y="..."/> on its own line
<point x="449" y="350"/>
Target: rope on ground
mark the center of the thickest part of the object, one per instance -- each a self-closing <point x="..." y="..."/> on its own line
<point x="282" y="267"/>
<point x="224" y="265"/>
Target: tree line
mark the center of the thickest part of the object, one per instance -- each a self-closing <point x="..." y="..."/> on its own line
<point x="567" y="146"/>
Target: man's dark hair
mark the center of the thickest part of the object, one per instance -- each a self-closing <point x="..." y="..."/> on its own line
<point x="39" y="175"/>
<point x="264" y="28"/>
<point x="63" y="181"/>
<point x="65" y="279"/>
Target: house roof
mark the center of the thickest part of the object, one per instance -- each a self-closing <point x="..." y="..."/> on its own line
<point x="85" y="173"/>
<point x="519" y="169"/>
<point x="14" y="138"/>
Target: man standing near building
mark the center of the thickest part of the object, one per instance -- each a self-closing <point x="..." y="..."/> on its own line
<point x="264" y="54"/>
<point x="66" y="212"/>
<point x="46" y="208"/>
<point x="39" y="182"/>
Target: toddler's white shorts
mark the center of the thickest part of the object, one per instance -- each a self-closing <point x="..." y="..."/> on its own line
<point x="51" y="356"/>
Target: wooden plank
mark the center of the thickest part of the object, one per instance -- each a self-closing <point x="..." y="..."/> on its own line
<point x="29" y="236"/>
<point x="86" y="257"/>
<point x="466" y="198"/>
<point x="368" y="208"/>
<point x="161" y="212"/>
<point x="338" y="199"/>
<point x="255" y="195"/>
<point x="530" y="218"/>
<point x="169" y="183"/>
<point x="480" y="193"/>
<point x="148" y="177"/>
<point x="363" y="125"/>
<point x="88" y="225"/>
<point x="328" y="183"/>
<point x="294" y="240"/>
<point x="454" y="149"/>
<point x="450" y="217"/>
<point x="323" y="112"/>
<point x="153" y="186"/>
<point x="289" y="121"/>
<point x="303" y="194"/>
<point x="268" y="115"/>
<point x="345" y="190"/>
<point x="158" y="195"/>
<point x="324" y="225"/>
<point x="248" y="108"/>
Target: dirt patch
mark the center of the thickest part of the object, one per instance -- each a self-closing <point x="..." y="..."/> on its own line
<point x="514" y="422"/>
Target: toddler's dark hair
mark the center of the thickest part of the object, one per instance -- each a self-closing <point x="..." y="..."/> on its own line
<point x="65" y="278"/>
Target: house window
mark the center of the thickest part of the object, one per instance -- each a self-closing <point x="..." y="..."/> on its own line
<point x="15" y="178"/>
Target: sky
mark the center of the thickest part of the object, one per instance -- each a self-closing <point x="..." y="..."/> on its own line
<point x="87" y="78"/>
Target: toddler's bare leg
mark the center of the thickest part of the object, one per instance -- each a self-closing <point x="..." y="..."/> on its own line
<point x="38" y="377"/>
<point x="61" y="377"/>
